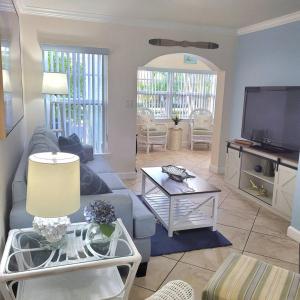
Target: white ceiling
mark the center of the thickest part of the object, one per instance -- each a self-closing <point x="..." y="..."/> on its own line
<point x="222" y="13"/>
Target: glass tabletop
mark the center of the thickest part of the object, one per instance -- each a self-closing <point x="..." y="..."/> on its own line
<point x="29" y="251"/>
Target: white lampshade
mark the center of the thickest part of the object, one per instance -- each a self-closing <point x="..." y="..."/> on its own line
<point x="6" y="81"/>
<point x="55" y="83"/>
<point x="53" y="184"/>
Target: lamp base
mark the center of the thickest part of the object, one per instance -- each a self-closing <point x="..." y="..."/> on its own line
<point x="52" y="229"/>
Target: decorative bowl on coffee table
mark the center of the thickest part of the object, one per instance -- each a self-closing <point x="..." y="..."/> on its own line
<point x="176" y="173"/>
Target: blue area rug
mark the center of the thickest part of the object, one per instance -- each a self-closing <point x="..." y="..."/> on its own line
<point x="185" y="240"/>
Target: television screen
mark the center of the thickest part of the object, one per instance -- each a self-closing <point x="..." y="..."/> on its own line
<point x="272" y="116"/>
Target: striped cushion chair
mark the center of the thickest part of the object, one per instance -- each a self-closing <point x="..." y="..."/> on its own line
<point x="242" y="277"/>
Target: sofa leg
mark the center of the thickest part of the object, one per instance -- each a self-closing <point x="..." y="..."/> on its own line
<point x="142" y="270"/>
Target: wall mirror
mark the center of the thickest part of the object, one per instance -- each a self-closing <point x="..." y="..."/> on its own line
<point x="11" y="91"/>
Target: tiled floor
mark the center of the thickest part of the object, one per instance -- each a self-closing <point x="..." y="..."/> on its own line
<point x="252" y="230"/>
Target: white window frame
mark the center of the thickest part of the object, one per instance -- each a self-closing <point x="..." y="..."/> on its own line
<point x="170" y="93"/>
<point x="93" y="62"/>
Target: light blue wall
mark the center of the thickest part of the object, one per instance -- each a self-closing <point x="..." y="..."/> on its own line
<point x="269" y="57"/>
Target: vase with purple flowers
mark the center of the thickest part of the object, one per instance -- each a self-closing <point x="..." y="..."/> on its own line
<point x="102" y="229"/>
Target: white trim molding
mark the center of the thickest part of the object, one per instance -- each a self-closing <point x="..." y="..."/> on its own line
<point x="22" y="8"/>
<point x="286" y="19"/>
<point x="294" y="234"/>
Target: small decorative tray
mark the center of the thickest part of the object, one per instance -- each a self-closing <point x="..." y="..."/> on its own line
<point x="176" y="173"/>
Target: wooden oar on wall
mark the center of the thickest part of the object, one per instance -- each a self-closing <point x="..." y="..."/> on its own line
<point x="170" y="43"/>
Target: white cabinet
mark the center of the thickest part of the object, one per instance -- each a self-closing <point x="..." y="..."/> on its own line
<point x="232" y="167"/>
<point x="284" y="188"/>
<point x="278" y="191"/>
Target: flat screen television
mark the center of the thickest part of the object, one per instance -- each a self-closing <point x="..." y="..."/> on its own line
<point x="272" y="117"/>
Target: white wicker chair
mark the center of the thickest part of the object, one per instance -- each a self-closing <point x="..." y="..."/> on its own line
<point x="150" y="132"/>
<point x="174" y="290"/>
<point x="201" y="127"/>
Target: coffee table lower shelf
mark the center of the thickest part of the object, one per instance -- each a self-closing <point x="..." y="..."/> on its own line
<point x="187" y="213"/>
<point x="91" y="284"/>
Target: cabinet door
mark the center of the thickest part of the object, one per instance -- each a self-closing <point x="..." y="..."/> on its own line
<point x="284" y="188"/>
<point x="232" y="167"/>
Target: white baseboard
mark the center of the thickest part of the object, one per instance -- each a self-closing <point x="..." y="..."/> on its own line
<point x="293" y="233"/>
<point x="217" y="169"/>
<point x="127" y="175"/>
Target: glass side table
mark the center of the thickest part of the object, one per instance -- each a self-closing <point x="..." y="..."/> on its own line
<point x="79" y="270"/>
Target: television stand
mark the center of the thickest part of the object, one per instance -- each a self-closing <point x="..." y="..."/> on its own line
<point x="245" y="173"/>
<point x="270" y="149"/>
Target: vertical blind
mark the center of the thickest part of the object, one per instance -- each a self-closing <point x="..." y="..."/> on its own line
<point x="82" y="111"/>
<point x="169" y="93"/>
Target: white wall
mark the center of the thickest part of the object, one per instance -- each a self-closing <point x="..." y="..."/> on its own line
<point x="129" y="50"/>
<point x="176" y="61"/>
<point x="10" y="152"/>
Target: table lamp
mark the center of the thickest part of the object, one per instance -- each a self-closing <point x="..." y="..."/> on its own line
<point x="53" y="192"/>
<point x="55" y="84"/>
<point x="6" y="81"/>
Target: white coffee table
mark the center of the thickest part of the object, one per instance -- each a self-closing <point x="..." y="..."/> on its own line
<point x="180" y="205"/>
<point x="77" y="271"/>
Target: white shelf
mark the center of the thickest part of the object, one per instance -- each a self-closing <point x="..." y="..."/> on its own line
<point x="267" y="199"/>
<point x="91" y="284"/>
<point x="183" y="218"/>
<point x="260" y="176"/>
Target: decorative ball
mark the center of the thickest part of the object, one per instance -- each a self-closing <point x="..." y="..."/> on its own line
<point x="258" y="168"/>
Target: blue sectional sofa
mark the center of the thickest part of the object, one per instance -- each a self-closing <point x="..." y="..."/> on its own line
<point x="139" y="222"/>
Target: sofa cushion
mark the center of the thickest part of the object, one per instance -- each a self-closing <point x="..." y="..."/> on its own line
<point x="200" y="131"/>
<point x="144" y="223"/>
<point x="91" y="183"/>
<point x="112" y="180"/>
<point x="46" y="132"/>
<point x="72" y="144"/>
<point x="99" y="165"/>
<point x="153" y="133"/>
<point x="41" y="143"/>
<point x="88" y="152"/>
<point x="19" y="185"/>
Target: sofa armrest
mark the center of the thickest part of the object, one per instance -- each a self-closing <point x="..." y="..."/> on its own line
<point x="144" y="223"/>
<point x="123" y="209"/>
<point x="88" y="152"/>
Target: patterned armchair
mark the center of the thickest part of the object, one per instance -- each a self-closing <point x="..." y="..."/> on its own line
<point x="201" y="127"/>
<point x="149" y="132"/>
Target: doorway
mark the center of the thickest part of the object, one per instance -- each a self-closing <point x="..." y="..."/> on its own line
<point x="179" y="86"/>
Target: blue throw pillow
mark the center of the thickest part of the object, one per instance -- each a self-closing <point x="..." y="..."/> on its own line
<point x="91" y="183"/>
<point x="72" y="145"/>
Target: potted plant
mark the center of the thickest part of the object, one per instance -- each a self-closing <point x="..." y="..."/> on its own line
<point x="176" y="121"/>
<point x="101" y="217"/>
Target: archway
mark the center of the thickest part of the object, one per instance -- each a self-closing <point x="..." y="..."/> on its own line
<point x="194" y="64"/>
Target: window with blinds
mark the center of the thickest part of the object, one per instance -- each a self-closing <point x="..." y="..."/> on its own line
<point x="82" y="111"/>
<point x="168" y="93"/>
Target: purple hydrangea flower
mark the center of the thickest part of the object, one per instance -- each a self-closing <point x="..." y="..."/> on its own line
<point x="99" y="212"/>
